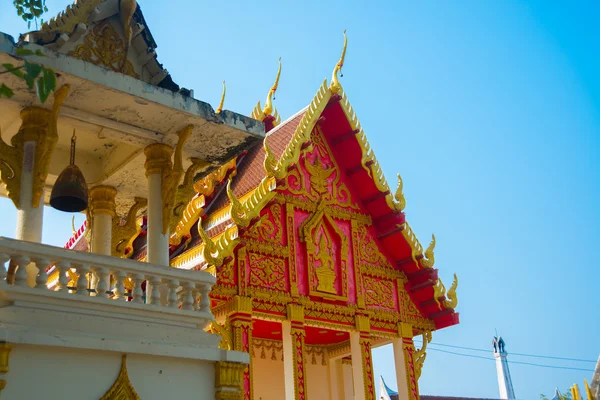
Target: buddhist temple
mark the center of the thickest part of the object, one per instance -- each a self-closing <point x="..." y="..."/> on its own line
<point x="223" y="256"/>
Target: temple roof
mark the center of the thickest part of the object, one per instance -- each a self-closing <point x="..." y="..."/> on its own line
<point x="67" y="32"/>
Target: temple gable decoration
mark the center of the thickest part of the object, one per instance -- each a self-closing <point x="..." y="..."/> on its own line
<point x="327" y="256"/>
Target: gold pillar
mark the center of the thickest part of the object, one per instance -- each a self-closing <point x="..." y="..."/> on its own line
<point x="5" y="349"/>
<point x="363" y="325"/>
<point x="241" y="325"/>
<point x="229" y="380"/>
<point x="408" y="347"/>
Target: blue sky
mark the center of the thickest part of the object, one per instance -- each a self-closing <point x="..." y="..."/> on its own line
<point x="490" y="110"/>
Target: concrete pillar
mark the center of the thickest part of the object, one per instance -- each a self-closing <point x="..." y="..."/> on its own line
<point x="294" y="366"/>
<point x="348" y="383"/>
<point x="29" y="219"/>
<point x="288" y="360"/>
<point x="357" y="366"/>
<point x="158" y="159"/>
<point x="400" y="363"/>
<point x="102" y="210"/>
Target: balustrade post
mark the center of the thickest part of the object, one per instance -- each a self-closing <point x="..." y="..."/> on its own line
<point x="82" y="281"/>
<point x="172" y="297"/>
<point x="153" y="290"/>
<point x="21" y="273"/>
<point x="42" y="277"/>
<point x="62" y="267"/>
<point x="137" y="293"/>
<point x="204" y="299"/>
<point x="103" y="279"/>
<point x="188" y="296"/>
<point x="119" y="292"/>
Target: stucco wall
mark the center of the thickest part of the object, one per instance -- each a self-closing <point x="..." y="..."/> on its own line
<point x="318" y="380"/>
<point x="268" y="378"/>
<point x="38" y="372"/>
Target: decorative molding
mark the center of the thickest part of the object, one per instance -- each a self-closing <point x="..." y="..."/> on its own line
<point x="229" y="380"/>
<point x="5" y="349"/>
<point x="123" y="234"/>
<point x="121" y="389"/>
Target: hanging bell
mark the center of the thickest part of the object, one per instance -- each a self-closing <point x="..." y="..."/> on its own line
<point x="70" y="191"/>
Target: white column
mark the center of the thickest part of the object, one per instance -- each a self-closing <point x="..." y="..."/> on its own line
<point x="288" y="359"/>
<point x="336" y="380"/>
<point x="357" y="366"/>
<point x="158" y="243"/>
<point x="29" y="219"/>
<point x="401" y="377"/>
<point x="101" y="234"/>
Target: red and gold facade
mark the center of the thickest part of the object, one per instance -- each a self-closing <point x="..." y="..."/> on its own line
<point x="314" y="258"/>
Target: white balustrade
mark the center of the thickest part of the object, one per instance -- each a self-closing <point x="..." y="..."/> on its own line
<point x="186" y="291"/>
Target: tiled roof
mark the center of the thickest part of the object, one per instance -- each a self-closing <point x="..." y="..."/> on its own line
<point x="250" y="171"/>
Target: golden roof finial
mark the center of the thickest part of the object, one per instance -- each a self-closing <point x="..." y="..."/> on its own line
<point x="429" y="257"/>
<point x="269" y="103"/>
<point x="222" y="102"/>
<point x="399" y="196"/>
<point x="335" y="85"/>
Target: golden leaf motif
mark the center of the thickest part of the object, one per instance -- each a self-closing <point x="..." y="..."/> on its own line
<point x="379" y="293"/>
<point x="399" y="196"/>
<point x="421" y="354"/>
<point x="124" y="235"/>
<point x="103" y="46"/>
<point x="267" y="272"/>
<point x="429" y="258"/>
<point x="268" y="227"/>
<point x="122" y="389"/>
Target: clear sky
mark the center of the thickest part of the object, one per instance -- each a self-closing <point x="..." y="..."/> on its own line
<point x="490" y="110"/>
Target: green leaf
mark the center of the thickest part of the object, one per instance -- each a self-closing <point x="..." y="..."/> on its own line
<point x="13" y="70"/>
<point x="32" y="69"/>
<point x="5" y="91"/>
<point x="42" y="93"/>
<point x="24" y="52"/>
<point x="38" y="52"/>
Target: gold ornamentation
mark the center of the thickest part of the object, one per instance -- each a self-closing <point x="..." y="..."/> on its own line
<point x="367" y="364"/>
<point x="421" y="354"/>
<point x="189" y="216"/>
<point x="268" y="346"/>
<point x="399" y="196"/>
<point x="5" y="349"/>
<point x="295" y="313"/>
<point x="260" y="114"/>
<point x="222" y="102"/>
<point x="429" y="258"/>
<point x="122" y="389"/>
<point x="335" y="85"/>
<point x="124" y="235"/>
<point x="317" y="351"/>
<point x="291" y="243"/>
<point x="39" y="125"/>
<point x="450" y="300"/>
<point x="413" y="242"/>
<point x="334" y="212"/>
<point x="104" y="47"/>
<point x="229" y="380"/>
<point x="183" y="197"/>
<point x="379" y="293"/>
<point x="363" y="323"/>
<point x="270" y="163"/>
<point x="318" y="232"/>
<point x="206" y="185"/>
<point x="319" y="170"/>
<point x="76" y="13"/>
<point x="225" y="332"/>
<point x="126" y="10"/>
<point x="267" y="272"/>
<point x="268" y="227"/>
<point x="301" y="135"/>
<point x="102" y="200"/>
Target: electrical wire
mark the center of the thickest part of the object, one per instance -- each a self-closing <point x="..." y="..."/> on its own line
<point x="511" y="362"/>
<point x="514" y="354"/>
